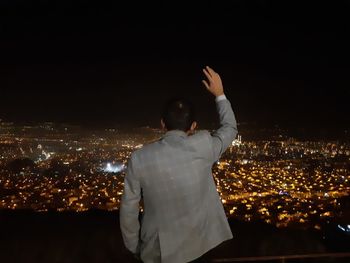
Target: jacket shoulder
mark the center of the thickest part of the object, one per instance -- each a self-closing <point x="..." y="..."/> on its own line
<point x="201" y="135"/>
<point x="149" y="147"/>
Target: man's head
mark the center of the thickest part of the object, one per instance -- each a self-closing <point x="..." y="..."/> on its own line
<point x="178" y="114"/>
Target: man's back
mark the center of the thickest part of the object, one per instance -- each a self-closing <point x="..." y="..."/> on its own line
<point x="183" y="215"/>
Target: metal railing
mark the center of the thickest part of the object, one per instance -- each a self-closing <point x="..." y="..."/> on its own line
<point x="284" y="258"/>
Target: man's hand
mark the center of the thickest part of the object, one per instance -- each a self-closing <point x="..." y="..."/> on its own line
<point x="213" y="82"/>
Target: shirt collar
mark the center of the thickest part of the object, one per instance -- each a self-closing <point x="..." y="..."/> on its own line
<point x="176" y="133"/>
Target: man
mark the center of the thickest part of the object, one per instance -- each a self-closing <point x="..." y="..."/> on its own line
<point x="183" y="215"/>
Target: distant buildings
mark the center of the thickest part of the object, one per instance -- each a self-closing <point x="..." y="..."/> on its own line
<point x="280" y="181"/>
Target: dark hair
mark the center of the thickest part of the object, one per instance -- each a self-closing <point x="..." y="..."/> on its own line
<point x="178" y="114"/>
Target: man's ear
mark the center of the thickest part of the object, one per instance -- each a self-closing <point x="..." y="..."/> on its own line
<point x="162" y="124"/>
<point x="193" y="126"/>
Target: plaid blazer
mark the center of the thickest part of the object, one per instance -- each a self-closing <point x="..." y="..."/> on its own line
<point x="183" y="215"/>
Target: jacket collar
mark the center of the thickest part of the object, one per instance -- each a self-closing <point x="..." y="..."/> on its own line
<point x="177" y="133"/>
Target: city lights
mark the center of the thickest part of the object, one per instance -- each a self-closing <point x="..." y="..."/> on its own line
<point x="281" y="182"/>
<point x="113" y="168"/>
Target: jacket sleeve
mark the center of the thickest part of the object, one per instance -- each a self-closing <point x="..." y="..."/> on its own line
<point x="129" y="209"/>
<point x="223" y="137"/>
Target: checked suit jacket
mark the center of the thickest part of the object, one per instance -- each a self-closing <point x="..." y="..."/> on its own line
<point x="183" y="215"/>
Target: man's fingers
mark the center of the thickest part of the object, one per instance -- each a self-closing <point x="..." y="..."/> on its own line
<point x="206" y="84"/>
<point x="207" y="74"/>
<point x="211" y="71"/>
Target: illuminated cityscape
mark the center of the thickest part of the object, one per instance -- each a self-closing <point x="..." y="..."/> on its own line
<point x="84" y="84"/>
<point x="283" y="182"/>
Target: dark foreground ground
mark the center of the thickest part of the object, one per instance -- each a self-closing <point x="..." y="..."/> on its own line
<point x="94" y="236"/>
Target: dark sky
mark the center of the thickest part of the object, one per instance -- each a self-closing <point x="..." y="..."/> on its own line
<point x="100" y="61"/>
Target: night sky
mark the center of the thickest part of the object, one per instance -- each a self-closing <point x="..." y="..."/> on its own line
<point x="102" y="62"/>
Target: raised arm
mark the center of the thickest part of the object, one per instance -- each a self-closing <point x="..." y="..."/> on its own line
<point x="223" y="137"/>
<point x="129" y="209"/>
